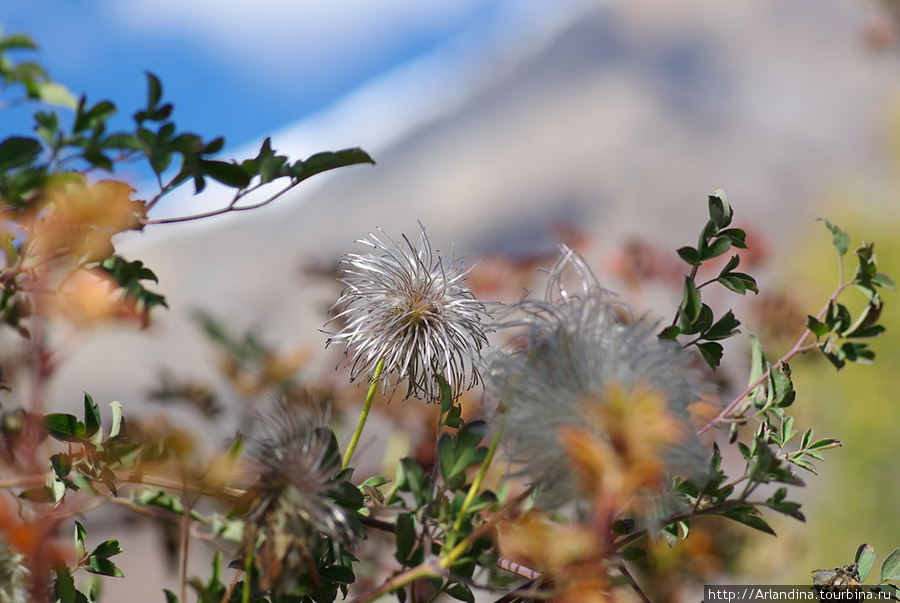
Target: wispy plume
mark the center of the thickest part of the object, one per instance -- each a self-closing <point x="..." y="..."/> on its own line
<point x="408" y="306"/>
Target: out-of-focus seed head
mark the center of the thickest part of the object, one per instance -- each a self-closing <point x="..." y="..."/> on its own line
<point x="408" y="305"/>
<point x="15" y="586"/>
<point x="288" y="510"/>
<point x="589" y="393"/>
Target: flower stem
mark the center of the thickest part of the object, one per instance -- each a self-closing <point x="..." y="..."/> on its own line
<point x="248" y="570"/>
<point x="476" y="484"/>
<point x="422" y="571"/>
<point x="363" y="416"/>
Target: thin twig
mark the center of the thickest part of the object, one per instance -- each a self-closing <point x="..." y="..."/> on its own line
<point x="222" y="210"/>
<point x="798" y="348"/>
<point x="634" y="585"/>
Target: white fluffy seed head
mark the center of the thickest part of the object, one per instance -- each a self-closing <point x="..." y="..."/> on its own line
<point x="292" y="459"/>
<point x="408" y="306"/>
<point x="574" y="347"/>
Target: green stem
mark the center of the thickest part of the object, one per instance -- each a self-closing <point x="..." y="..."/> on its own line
<point x="422" y="571"/>
<point x="248" y="568"/>
<point x="363" y="416"/>
<point x="476" y="485"/>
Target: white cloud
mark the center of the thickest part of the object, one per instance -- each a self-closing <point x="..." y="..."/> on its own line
<point x="266" y="34"/>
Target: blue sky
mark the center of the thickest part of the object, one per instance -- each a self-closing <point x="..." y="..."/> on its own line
<point x="239" y="69"/>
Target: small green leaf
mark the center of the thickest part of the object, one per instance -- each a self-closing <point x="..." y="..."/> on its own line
<point x="154" y="90"/>
<point x="116" y="425"/>
<point x="61" y="464"/>
<point x="670" y="333"/>
<point x="170" y="596"/>
<point x="54" y="93"/>
<point x="65" y="586"/>
<point x="724" y="328"/>
<point x="719" y="246"/>
<point x="737" y="236"/>
<point x="815" y="327"/>
<point x="733" y="263"/>
<point x="806" y="439"/>
<point x="689" y="255"/>
<point x="18" y="151"/>
<point x="753" y="521"/>
<point x="711" y="352"/>
<point x="461" y="592"/>
<point x="856" y="352"/>
<point x="91" y="417"/>
<point x="623" y="526"/>
<point x="840" y="238"/>
<point x="864" y="560"/>
<point x="720" y="211"/>
<point x="338" y="574"/>
<point x="689" y="311"/>
<point x="884" y="281"/>
<point x="890" y="568"/>
<point x="405" y="537"/>
<point x="825" y="444"/>
<point x="64" y="427"/>
<point x="229" y="174"/>
<point x="346" y="494"/>
<point x="103" y="567"/>
<point x="107" y="549"/>
<point x="446" y="394"/>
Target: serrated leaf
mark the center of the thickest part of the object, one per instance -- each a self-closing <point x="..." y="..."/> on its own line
<point x="711" y="352"/>
<point x="107" y="549"/>
<point x="723" y="328"/>
<point x="864" y="559"/>
<point x="65" y="586"/>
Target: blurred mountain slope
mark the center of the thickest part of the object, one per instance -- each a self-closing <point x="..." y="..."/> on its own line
<point x="621" y="122"/>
